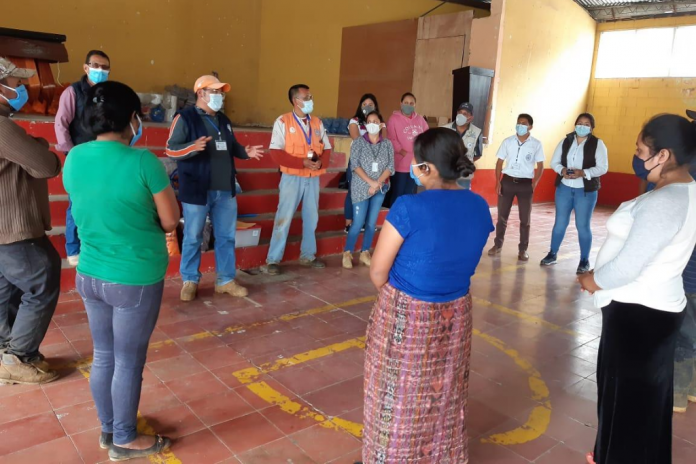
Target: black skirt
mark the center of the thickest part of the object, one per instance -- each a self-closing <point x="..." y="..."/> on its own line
<point x="635" y="382"/>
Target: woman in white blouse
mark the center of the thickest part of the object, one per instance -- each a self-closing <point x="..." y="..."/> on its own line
<point x="579" y="160"/>
<point x="638" y="284"/>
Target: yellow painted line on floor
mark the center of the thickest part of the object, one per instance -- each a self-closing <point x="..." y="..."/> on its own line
<point x="539" y="419"/>
<point x="535" y="426"/>
<point x="524" y="316"/>
<point x="167" y="457"/>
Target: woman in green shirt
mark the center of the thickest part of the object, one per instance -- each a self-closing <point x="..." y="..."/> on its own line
<point x="123" y="204"/>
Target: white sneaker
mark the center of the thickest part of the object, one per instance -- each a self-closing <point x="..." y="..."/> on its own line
<point x="74" y="260"/>
<point x="347" y="260"/>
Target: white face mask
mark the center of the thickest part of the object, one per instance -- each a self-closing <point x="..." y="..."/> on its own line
<point x="215" y="102"/>
<point x="372" y="128"/>
<point x="461" y="120"/>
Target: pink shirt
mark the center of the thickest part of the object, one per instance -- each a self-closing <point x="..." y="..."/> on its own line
<point x="402" y="131"/>
<point x="64" y="117"/>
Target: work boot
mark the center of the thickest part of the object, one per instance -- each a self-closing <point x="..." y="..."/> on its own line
<point x="365" y="258"/>
<point x="347" y="260"/>
<point x="188" y="291"/>
<point x="39" y="361"/>
<point x="232" y="288"/>
<point x="549" y="260"/>
<point x="14" y="371"/>
<point x="313" y="263"/>
<point x="495" y="250"/>
<point x="683" y="382"/>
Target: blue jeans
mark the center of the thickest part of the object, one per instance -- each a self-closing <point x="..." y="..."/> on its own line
<point x="567" y="200"/>
<point x="222" y="207"/>
<point x="293" y="190"/>
<point x="121" y="319"/>
<point x="72" y="240"/>
<point x="348" y="205"/>
<point x="365" y="214"/>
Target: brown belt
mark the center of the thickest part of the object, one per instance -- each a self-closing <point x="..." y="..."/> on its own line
<point x="518" y="180"/>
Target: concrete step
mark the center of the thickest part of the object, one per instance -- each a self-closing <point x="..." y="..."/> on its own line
<point x="328" y="243"/>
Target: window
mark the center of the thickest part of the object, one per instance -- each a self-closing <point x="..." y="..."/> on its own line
<point x="661" y="52"/>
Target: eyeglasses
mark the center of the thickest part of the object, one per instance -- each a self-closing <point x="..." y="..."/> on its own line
<point x="105" y="67"/>
<point x="307" y="98"/>
<point x="215" y="91"/>
<point x="421" y="166"/>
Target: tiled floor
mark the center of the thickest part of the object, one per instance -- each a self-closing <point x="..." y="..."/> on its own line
<point x="532" y="323"/>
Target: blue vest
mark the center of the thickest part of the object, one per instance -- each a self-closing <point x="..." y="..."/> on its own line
<point x="78" y="132"/>
<point x="194" y="173"/>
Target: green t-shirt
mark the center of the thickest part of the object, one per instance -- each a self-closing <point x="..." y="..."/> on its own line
<point x="111" y="187"/>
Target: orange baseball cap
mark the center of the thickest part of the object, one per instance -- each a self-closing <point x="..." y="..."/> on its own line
<point x="210" y="82"/>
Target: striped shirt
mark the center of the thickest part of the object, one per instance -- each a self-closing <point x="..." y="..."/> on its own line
<point x="25" y="164"/>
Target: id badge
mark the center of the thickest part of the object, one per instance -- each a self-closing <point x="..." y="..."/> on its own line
<point x="221" y="145"/>
<point x="310" y="154"/>
<point x="375" y="167"/>
<point x="515" y="166"/>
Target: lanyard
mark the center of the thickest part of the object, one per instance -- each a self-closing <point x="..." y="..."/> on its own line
<point x="308" y="136"/>
<point x="210" y="120"/>
<point x="519" y="147"/>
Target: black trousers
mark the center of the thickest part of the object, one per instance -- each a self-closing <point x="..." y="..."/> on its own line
<point x="635" y="382"/>
<point x="29" y="291"/>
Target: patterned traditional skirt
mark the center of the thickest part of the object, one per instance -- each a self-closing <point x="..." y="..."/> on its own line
<point x="416" y="380"/>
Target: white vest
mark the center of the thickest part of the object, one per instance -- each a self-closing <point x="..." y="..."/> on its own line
<point x="470" y="139"/>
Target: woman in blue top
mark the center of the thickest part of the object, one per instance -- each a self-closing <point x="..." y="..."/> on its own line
<point x="419" y="336"/>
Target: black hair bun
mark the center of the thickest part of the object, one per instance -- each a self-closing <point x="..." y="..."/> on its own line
<point x="464" y="166"/>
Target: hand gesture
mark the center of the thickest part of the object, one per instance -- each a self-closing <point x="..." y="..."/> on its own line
<point x="254" y="151"/>
<point x="201" y="143"/>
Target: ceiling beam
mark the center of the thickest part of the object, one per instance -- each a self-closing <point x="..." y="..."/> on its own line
<point x="479" y="4"/>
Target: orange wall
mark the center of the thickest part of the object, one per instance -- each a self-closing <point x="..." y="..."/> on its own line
<point x="157" y="43"/>
<point x="622" y="106"/>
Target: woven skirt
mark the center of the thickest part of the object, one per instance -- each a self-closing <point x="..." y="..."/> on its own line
<point x="416" y="380"/>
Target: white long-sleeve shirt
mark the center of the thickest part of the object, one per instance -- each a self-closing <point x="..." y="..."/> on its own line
<point x="576" y="155"/>
<point x="649" y="242"/>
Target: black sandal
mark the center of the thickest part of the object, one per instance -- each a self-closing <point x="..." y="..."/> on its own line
<point x="117" y="453"/>
<point x="106" y="440"/>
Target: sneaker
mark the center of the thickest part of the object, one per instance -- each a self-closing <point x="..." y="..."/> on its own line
<point x="232" y="288"/>
<point x="188" y="291"/>
<point x="14" y="371"/>
<point x="271" y="269"/>
<point x="106" y="440"/>
<point x="549" y="260"/>
<point x="366" y="258"/>
<point x="313" y="263"/>
<point x="347" y="260"/>
<point x="73" y="261"/>
<point x="583" y="267"/>
<point x="495" y="250"/>
<point x="523" y="256"/>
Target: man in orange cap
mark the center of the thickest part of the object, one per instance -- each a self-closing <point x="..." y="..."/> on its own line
<point x="203" y="144"/>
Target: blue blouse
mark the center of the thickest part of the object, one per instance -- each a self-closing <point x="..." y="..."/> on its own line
<point x="444" y="234"/>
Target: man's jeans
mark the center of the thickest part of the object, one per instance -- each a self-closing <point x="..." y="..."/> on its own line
<point x="293" y="190"/>
<point x="365" y="214"/>
<point x="72" y="239"/>
<point x="583" y="203"/>
<point x="121" y="319"/>
<point x="222" y="207"/>
<point x="29" y="290"/>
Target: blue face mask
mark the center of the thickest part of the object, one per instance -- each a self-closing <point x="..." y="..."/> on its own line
<point x="98" y="75"/>
<point x="308" y="106"/>
<point x="415" y="177"/>
<point x="583" y="131"/>
<point x="639" y="167"/>
<point x="136" y="135"/>
<point x="20" y="100"/>
<point x="521" y="130"/>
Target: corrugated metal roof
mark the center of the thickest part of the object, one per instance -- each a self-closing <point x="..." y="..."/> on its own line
<point x="617" y="10"/>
